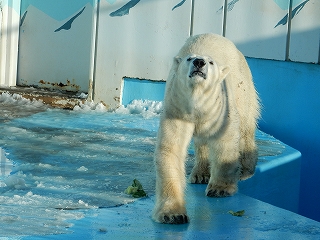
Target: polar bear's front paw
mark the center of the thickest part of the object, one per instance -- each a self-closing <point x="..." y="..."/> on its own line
<point x="223" y="190"/>
<point x="171" y="218"/>
<point x="170" y="212"/>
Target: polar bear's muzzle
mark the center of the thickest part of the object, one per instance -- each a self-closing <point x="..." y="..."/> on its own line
<point x="198" y="67"/>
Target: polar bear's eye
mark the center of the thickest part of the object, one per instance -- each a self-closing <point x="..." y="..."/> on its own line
<point x="189" y="59"/>
<point x="211" y="62"/>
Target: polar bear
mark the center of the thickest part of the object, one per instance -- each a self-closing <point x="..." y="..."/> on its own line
<point x="209" y="96"/>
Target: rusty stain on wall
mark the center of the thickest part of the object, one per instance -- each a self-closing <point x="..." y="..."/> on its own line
<point x="68" y="86"/>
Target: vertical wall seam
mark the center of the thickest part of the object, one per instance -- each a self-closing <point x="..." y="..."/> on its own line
<point x="19" y="42"/>
<point x="191" y="18"/>
<point x="287" y="56"/>
<point x="319" y="51"/>
<point x="224" y="23"/>
<point x="94" y="50"/>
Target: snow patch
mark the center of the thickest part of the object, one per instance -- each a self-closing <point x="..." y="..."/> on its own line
<point x="82" y="169"/>
<point x="17" y="99"/>
<point x="88" y="106"/>
<point x="14" y="105"/>
<point x="83" y="95"/>
<point x="15" y="182"/>
<point x="5" y="164"/>
<point x="146" y="108"/>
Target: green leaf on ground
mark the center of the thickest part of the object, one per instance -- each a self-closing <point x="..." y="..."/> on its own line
<point x="136" y="190"/>
<point x="237" y="214"/>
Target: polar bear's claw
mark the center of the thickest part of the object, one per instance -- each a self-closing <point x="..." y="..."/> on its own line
<point x="216" y="193"/>
<point x="171" y="218"/>
<point x="202" y="179"/>
<point x="176" y="219"/>
<point x="219" y="191"/>
<point x="200" y="174"/>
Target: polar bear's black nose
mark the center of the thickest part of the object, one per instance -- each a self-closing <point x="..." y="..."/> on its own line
<point x="199" y="63"/>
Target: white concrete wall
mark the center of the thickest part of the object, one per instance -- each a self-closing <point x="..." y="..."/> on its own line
<point x="251" y="26"/>
<point x="9" y="38"/>
<point x="55" y="51"/>
<point x="305" y="34"/>
<point x="140" y="44"/>
<point x="138" y="38"/>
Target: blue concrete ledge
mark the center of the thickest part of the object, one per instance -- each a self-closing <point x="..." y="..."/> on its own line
<point x="277" y="177"/>
<point x="210" y="219"/>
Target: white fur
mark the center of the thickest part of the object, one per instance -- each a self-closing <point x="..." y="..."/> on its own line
<point x="220" y="111"/>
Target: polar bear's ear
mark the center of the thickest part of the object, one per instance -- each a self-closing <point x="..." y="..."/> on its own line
<point x="177" y="59"/>
<point x="224" y="71"/>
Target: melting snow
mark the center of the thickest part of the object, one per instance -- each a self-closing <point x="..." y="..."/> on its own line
<point x="54" y="162"/>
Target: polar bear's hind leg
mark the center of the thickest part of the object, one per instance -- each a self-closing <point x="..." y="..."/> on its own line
<point x="201" y="170"/>
<point x="225" y="166"/>
<point x="248" y="157"/>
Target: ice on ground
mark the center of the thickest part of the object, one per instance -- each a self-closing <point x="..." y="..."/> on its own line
<point x="55" y="163"/>
<point x="268" y="146"/>
<point x="14" y="105"/>
<point x="5" y="164"/>
<point x="15" y="182"/>
<point x="58" y="161"/>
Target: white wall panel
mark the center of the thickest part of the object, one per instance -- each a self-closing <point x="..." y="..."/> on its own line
<point x="251" y="24"/>
<point x="140" y="44"/>
<point x="56" y="54"/>
<point x="9" y="39"/>
<point x="305" y="32"/>
<point x="208" y="16"/>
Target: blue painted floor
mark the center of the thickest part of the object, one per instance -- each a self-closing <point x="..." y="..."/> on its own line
<point x="210" y="219"/>
<point x="63" y="176"/>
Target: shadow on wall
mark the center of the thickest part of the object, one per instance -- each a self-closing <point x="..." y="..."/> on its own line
<point x="304" y="47"/>
<point x="291" y="113"/>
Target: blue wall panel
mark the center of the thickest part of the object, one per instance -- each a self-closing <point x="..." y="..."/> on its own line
<point x="142" y="89"/>
<point x="291" y="112"/>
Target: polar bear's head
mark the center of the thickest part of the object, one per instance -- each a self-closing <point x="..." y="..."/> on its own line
<point x="196" y="69"/>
